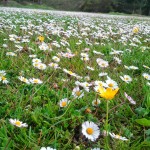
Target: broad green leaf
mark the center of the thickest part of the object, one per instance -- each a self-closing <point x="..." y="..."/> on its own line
<point x="143" y="122"/>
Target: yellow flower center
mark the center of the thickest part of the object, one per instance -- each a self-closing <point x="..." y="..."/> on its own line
<point x="78" y="93"/>
<point x="117" y="136"/>
<point x="110" y="85"/>
<point x="103" y="64"/>
<point x="70" y="72"/>
<point x="41" y="67"/>
<point x="96" y="102"/>
<point x="100" y="84"/>
<point x="36" y="65"/>
<point x="3" y="78"/>
<point x="89" y="131"/>
<point x="24" y="80"/>
<point x="146" y="77"/>
<point x="35" y="81"/>
<point x="18" y="123"/>
<point x="64" y="104"/>
<point x="126" y="78"/>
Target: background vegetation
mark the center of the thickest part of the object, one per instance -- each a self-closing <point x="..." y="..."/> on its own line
<point x="141" y="7"/>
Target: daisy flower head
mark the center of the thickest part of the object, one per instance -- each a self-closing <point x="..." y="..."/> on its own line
<point x="47" y="148"/>
<point x="17" y="123"/>
<point x="35" y="81"/>
<point x="126" y="78"/>
<point x="135" y="29"/>
<point x="32" y="56"/>
<point x="84" y="85"/>
<point x="111" y="83"/>
<point x="43" y="47"/>
<point x="102" y="63"/>
<point x="87" y="78"/>
<point x="4" y="79"/>
<point x="90" y="68"/>
<point x="133" y="67"/>
<point x="2" y="73"/>
<point x="146" y="67"/>
<point x="118" y="137"/>
<point x="146" y="76"/>
<point x="90" y="130"/>
<point x="72" y="74"/>
<point x="56" y="59"/>
<point x="11" y="54"/>
<point x="148" y="83"/>
<point x="96" y="52"/>
<point x="117" y="60"/>
<point x="77" y="93"/>
<point x="64" y="102"/>
<point x="40" y="66"/>
<point x="96" y="102"/>
<point x="100" y="83"/>
<point x="36" y="60"/>
<point x="54" y="65"/>
<point x="103" y="74"/>
<point x="23" y="79"/>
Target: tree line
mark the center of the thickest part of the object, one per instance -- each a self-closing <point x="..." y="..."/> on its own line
<point x="141" y="7"/>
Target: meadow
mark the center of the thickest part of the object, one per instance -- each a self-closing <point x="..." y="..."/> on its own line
<point x="74" y="82"/>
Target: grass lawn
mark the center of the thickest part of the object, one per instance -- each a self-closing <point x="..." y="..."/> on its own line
<point x="74" y="83"/>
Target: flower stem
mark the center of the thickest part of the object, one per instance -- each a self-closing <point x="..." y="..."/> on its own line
<point x="106" y="125"/>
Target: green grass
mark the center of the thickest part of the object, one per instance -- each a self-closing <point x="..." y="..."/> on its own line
<point x="38" y="105"/>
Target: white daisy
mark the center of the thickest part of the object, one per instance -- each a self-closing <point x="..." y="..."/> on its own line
<point x="32" y="56"/>
<point x="96" y="52"/>
<point x="36" y="60"/>
<point x="56" y="59"/>
<point x="95" y="149"/>
<point x="11" y="54"/>
<point x="117" y="60"/>
<point x="84" y="85"/>
<point x="118" y="137"/>
<point x="100" y="83"/>
<point x="77" y="93"/>
<point x="90" y="130"/>
<point x="133" y="67"/>
<point x="17" y="123"/>
<point x="96" y="102"/>
<point x="4" y="79"/>
<point x="111" y="83"/>
<point x="40" y="66"/>
<point x="47" y="148"/>
<point x="146" y="76"/>
<point x="126" y="78"/>
<point x="23" y="79"/>
<point x="54" y="65"/>
<point x="148" y="83"/>
<point x="43" y="47"/>
<point x="35" y="81"/>
<point x="146" y="67"/>
<point x="102" y="63"/>
<point x="90" y="68"/>
<point x="103" y="74"/>
<point x="2" y="73"/>
<point x="64" y="102"/>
